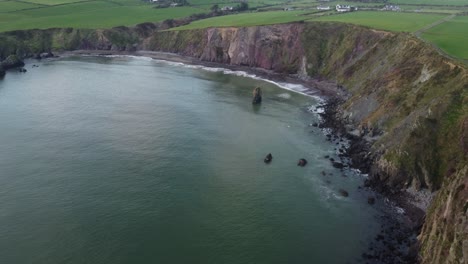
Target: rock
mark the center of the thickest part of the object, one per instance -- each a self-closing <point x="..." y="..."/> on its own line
<point x="22" y="70"/>
<point x="324" y="173"/>
<point x="46" y="55"/>
<point x="257" y="96"/>
<point x="337" y="165"/>
<point x="343" y="192"/>
<point x="2" y="72"/>
<point x="268" y="158"/>
<point x="302" y="162"/>
<point x="371" y="200"/>
<point x="12" y="61"/>
<point x="315" y="125"/>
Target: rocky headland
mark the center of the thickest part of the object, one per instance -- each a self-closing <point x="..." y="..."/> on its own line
<point x="402" y="106"/>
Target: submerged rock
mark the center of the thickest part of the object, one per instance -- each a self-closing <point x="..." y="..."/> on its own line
<point x="268" y="158"/>
<point x="257" y="96"/>
<point x="343" y="192"/>
<point x="12" y="61"/>
<point x="302" y="162"/>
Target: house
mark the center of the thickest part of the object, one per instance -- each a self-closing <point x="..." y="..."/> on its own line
<point x="391" y="8"/>
<point x="345" y="8"/>
<point x="227" y="8"/>
<point x="323" y="8"/>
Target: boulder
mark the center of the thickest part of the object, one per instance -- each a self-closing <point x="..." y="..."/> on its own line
<point x="302" y="162"/>
<point x="337" y="165"/>
<point x="343" y="192"/>
<point x="257" y="96"/>
<point x="12" y="61"/>
<point x="268" y="158"/>
<point x="46" y="55"/>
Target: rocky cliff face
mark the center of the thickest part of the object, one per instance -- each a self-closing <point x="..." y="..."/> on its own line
<point x="408" y="101"/>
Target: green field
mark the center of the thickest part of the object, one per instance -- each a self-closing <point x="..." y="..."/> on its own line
<point x="9" y="6"/>
<point x="93" y="14"/>
<point x="247" y="19"/>
<point x="392" y="21"/>
<point x="430" y="2"/>
<point x="451" y="36"/>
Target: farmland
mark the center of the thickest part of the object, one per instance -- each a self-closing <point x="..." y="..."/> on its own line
<point x="415" y="15"/>
<point x="247" y="19"/>
<point x="393" y="21"/>
<point x="451" y="36"/>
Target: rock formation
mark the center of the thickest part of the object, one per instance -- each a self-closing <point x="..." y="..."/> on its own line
<point x="257" y="96"/>
<point x="12" y="61"/>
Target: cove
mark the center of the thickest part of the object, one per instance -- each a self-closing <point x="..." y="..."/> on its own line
<point x="130" y="160"/>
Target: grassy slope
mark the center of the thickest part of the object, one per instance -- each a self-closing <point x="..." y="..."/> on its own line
<point x="393" y="21"/>
<point x="451" y="36"/>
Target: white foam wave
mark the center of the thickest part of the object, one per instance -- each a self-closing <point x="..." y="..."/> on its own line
<point x="297" y="88"/>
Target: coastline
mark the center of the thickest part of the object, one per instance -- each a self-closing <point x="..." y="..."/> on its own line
<point x="402" y="211"/>
<point x="324" y="89"/>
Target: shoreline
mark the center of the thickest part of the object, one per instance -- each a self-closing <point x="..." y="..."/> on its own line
<point x="398" y="231"/>
<point x="323" y="89"/>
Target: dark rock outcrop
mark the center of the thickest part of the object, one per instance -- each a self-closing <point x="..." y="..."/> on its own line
<point x="2" y="72"/>
<point x="257" y="96"/>
<point x="302" y="162"/>
<point x="12" y="61"/>
<point x="343" y="193"/>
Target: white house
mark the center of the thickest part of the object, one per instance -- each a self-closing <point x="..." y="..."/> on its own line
<point x="227" y="8"/>
<point x="343" y="8"/>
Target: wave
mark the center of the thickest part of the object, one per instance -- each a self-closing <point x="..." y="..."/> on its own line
<point x="297" y="88"/>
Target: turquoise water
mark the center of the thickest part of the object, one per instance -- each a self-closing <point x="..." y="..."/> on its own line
<point x="129" y="160"/>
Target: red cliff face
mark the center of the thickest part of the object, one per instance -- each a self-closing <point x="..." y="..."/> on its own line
<point x="277" y="48"/>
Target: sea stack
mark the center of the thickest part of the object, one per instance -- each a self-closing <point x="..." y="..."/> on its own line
<point x="257" y="96"/>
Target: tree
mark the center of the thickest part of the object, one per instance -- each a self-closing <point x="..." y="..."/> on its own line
<point x="215" y="8"/>
<point x="243" y="6"/>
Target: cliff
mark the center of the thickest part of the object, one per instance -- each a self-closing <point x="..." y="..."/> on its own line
<point x="409" y="102"/>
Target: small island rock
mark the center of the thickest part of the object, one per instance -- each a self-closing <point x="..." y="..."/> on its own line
<point x="257" y="96"/>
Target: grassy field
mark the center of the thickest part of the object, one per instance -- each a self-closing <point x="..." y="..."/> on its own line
<point x="451" y="36"/>
<point x="431" y="2"/>
<point x="103" y="16"/>
<point x="9" y="6"/>
<point x="392" y="21"/>
<point x="247" y="19"/>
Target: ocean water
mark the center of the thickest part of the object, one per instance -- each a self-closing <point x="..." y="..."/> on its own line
<point x="132" y="160"/>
